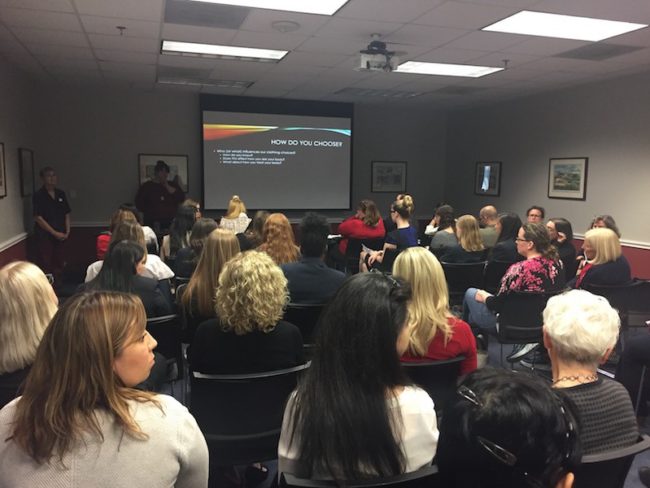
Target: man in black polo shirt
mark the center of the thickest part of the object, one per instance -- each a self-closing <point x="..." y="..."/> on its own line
<point x="159" y="198"/>
<point x="52" y="218"/>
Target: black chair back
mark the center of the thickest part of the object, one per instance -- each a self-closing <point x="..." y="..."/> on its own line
<point x="461" y="276"/>
<point x="632" y="298"/>
<point x="494" y="271"/>
<point x="241" y="415"/>
<point x="608" y="469"/>
<point x="354" y="249"/>
<point x="423" y="477"/>
<point x="437" y="378"/>
<point x="305" y="317"/>
<point x="167" y="332"/>
<point x="520" y="320"/>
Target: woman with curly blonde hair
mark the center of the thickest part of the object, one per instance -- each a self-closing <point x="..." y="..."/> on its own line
<point x="80" y="417"/>
<point x="248" y="335"/>
<point x="279" y="242"/>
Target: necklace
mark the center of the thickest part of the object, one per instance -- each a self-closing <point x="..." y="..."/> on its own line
<point x="588" y="378"/>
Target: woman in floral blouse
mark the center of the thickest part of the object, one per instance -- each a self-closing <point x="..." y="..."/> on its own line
<point x="540" y="272"/>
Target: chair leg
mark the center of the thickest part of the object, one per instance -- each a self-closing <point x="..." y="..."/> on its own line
<point x="640" y="392"/>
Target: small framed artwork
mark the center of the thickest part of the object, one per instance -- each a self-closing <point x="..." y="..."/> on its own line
<point x="567" y="178"/>
<point x="487" y="180"/>
<point x="177" y="167"/>
<point x="26" y="165"/>
<point x="388" y="177"/>
<point x="3" y="172"/>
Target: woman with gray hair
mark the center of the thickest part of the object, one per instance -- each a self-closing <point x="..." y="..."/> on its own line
<point x="580" y="332"/>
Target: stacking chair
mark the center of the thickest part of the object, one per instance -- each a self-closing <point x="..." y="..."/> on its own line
<point x="423" y="477"/>
<point x="241" y="415"/>
<point x="494" y="271"/>
<point x="167" y="332"/>
<point x="460" y="277"/>
<point x="354" y="249"/>
<point x="609" y="469"/>
<point x="437" y="378"/>
<point x="305" y="317"/>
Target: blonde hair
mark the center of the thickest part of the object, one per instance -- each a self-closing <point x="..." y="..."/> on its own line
<point x="404" y="206"/>
<point x="220" y="246"/>
<point x="235" y="207"/>
<point x="120" y="216"/>
<point x="469" y="237"/>
<point x="27" y="304"/>
<point x="279" y="242"/>
<point x="73" y="375"/>
<point x="252" y="293"/>
<point x="606" y="244"/>
<point x="428" y="309"/>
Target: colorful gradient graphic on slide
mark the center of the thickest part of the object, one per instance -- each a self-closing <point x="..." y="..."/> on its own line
<point x="214" y="132"/>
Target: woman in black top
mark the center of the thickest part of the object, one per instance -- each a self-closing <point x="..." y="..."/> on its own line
<point x="505" y="249"/>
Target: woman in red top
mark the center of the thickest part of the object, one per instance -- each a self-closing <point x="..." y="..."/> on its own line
<point x="365" y="224"/>
<point x="434" y="333"/>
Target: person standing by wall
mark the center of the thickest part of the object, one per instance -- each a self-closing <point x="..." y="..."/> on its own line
<point x="52" y="224"/>
<point x="159" y="198"/>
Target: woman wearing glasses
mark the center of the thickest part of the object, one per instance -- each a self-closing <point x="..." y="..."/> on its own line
<point x="355" y="414"/>
<point x="540" y="272"/>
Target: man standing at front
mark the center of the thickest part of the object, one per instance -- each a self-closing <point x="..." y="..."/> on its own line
<point x="52" y="219"/>
<point x="159" y="198"/>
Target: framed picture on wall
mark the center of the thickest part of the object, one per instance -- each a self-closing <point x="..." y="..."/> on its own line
<point x="567" y="178"/>
<point x="487" y="180"/>
<point x="3" y="172"/>
<point x="177" y="167"/>
<point x="388" y="177"/>
<point x="26" y="166"/>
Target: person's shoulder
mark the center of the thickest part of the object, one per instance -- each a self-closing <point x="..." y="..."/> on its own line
<point x="414" y="398"/>
<point x="8" y="412"/>
<point x="145" y="282"/>
<point x="284" y="327"/>
<point x="459" y="325"/>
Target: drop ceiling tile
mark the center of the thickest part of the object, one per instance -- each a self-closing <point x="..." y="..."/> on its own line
<point x="640" y="57"/>
<point x="60" y="51"/>
<point x="380" y="81"/>
<point x="260" y="90"/>
<point x="19" y="17"/>
<point x="47" y="36"/>
<point x="360" y="30"/>
<point x="573" y="65"/>
<point x="139" y="44"/>
<point x="450" y="55"/>
<point x="186" y="62"/>
<point x="622" y="10"/>
<point x="387" y="10"/>
<point x="497" y="59"/>
<point x="637" y="38"/>
<point x="126" y="56"/>
<point x="107" y="26"/>
<point x="129" y="9"/>
<point x="299" y="58"/>
<point x="487" y="41"/>
<point x="422" y="35"/>
<point x="239" y="70"/>
<point x="265" y="40"/>
<point x="70" y="64"/>
<point x="464" y="15"/>
<point x="542" y="46"/>
<point x="427" y="84"/>
<point x="175" y="32"/>
<point x="345" y="47"/>
<point x="215" y="90"/>
<point x="50" y="5"/>
<point x="146" y="69"/>
<point x="260" y="20"/>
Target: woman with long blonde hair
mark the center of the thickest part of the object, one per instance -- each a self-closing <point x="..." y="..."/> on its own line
<point x="470" y="248"/>
<point x="434" y="333"/>
<point x="27" y="303"/>
<point x="198" y="298"/>
<point x="279" y="241"/>
<point x="81" y="419"/>
<point x="604" y="262"/>
<point x="236" y="219"/>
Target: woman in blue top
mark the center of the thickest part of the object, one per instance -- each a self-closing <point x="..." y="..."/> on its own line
<point x="397" y="240"/>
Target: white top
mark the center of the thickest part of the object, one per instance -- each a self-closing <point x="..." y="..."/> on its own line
<point x="165" y="250"/>
<point x="150" y="236"/>
<point x="153" y="268"/>
<point x="418" y="435"/>
<point x="238" y="225"/>
<point x="174" y="455"/>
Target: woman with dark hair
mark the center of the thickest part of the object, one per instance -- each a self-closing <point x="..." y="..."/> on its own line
<point x="120" y="272"/>
<point x="81" y="422"/>
<point x="365" y="224"/>
<point x="442" y="228"/>
<point x="186" y="258"/>
<point x="507" y="430"/>
<point x="540" y="272"/>
<point x="383" y="424"/>
<point x="606" y="221"/>
<point x="505" y="249"/>
<point x="104" y="239"/>
<point x="254" y="234"/>
<point x="561" y="234"/>
<point x="179" y="232"/>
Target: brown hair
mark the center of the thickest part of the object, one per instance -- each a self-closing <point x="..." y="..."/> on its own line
<point x="469" y="237"/>
<point x="279" y="241"/>
<point x="371" y="215"/>
<point x="537" y="233"/>
<point x="73" y="375"/>
<point x="120" y="216"/>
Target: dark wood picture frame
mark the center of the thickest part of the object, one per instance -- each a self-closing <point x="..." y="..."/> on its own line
<point x="567" y="178"/>
<point x="487" y="178"/>
<point x="388" y="177"/>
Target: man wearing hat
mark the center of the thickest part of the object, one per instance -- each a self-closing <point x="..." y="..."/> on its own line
<point x="159" y="198"/>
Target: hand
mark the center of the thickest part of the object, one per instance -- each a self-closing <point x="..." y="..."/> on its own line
<point x="59" y="236"/>
<point x="481" y="296"/>
<point x="561" y="237"/>
<point x="376" y="256"/>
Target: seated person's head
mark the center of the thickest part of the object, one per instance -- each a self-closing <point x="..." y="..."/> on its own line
<point x="27" y="303"/>
<point x="128" y="230"/>
<point x="559" y="225"/>
<point x="535" y="214"/>
<point x="200" y="232"/>
<point x="120" y="216"/>
<point x="507" y="430"/>
<point x="367" y="211"/>
<point x="508" y="226"/>
<point x="601" y="245"/>
<point x="580" y="328"/>
<point x="444" y="217"/>
<point x="467" y="231"/>
<point x="403" y="207"/>
<point x="252" y="293"/>
<point x="314" y="230"/>
<point x="605" y="221"/>
<point x="122" y="262"/>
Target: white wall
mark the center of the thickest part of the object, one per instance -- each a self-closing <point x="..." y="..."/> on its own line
<point x="15" y="131"/>
<point x="608" y="122"/>
<point x="92" y="136"/>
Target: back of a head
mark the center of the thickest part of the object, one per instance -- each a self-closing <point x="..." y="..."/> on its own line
<point x="606" y="244"/>
<point x="314" y="230"/>
<point x="279" y="241"/>
<point x="120" y="216"/>
<point x="510" y="225"/>
<point x="488" y="213"/>
<point x="506" y="430"/>
<point x="73" y="374"/>
<point x="128" y="230"/>
<point x="120" y="267"/>
<point x="200" y="232"/>
<point x="355" y="365"/>
<point x="27" y="303"/>
<point x="235" y="207"/>
<point x="370" y="213"/>
<point x="581" y="326"/>
<point x="130" y="207"/>
<point x="468" y="233"/>
<point x="404" y="207"/>
<point x="537" y="233"/>
<point x="445" y="214"/>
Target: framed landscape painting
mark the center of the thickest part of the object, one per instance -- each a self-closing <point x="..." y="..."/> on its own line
<point x="388" y="177"/>
<point x="567" y="178"/>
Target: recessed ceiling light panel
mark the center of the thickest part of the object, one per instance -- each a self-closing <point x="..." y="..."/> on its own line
<point x="322" y="7"/>
<point x="443" y="69"/>
<point x="217" y="51"/>
<point x="562" y="26"/>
